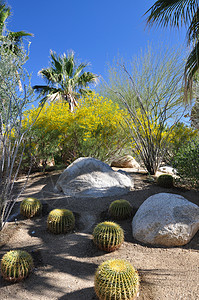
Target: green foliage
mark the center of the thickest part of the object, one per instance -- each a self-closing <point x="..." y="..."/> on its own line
<point x="116" y="279"/>
<point x="186" y="162"/>
<point x="94" y="129"/>
<point x="165" y="180"/>
<point x="180" y="136"/>
<point x="195" y="114"/>
<point x="120" y="209"/>
<point x="108" y="236"/>
<point x="5" y="35"/>
<point x="60" y="221"/>
<point x="66" y="80"/>
<point x="30" y="207"/>
<point x="15" y="94"/>
<point x="150" y="88"/>
<point x="177" y="13"/>
<point x="16" y="265"/>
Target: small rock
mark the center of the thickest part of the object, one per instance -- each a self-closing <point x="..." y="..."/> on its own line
<point x="168" y="170"/>
<point x="126" y="161"/>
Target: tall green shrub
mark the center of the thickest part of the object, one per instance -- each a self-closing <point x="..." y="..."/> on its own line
<point x="186" y="161"/>
<point x="150" y="87"/>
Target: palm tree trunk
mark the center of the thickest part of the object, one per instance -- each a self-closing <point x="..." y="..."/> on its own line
<point x="72" y="102"/>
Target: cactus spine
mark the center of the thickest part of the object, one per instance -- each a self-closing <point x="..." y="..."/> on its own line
<point x="16" y="265"/>
<point x="120" y="209"/>
<point x="108" y="236"/>
<point x="30" y="207"/>
<point x="60" y="221"/>
<point x="116" y="279"/>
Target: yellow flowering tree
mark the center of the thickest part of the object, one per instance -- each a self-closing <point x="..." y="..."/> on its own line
<point x="95" y="129"/>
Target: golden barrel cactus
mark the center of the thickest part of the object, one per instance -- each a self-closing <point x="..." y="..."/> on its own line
<point x="120" y="209"/>
<point x="116" y="279"/>
<point x="165" y="180"/>
<point x="30" y="207"/>
<point x="16" y="265"/>
<point x="108" y="236"/>
<point x="60" y="221"/>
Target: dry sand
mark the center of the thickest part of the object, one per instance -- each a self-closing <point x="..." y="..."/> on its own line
<point x="65" y="264"/>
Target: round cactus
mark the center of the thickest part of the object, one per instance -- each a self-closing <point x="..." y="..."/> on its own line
<point x="108" y="236"/>
<point x="116" y="279"/>
<point x="60" y="221"/>
<point x="16" y="265"/>
<point x="30" y="207"/>
<point x="120" y="209"/>
<point x="165" y="180"/>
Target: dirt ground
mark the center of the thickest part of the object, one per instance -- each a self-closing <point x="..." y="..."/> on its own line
<point x="65" y="264"/>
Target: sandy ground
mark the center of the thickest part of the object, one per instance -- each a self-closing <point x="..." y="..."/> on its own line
<point x="65" y="264"/>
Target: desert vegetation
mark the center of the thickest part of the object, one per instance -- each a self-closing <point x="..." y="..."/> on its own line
<point x="144" y="109"/>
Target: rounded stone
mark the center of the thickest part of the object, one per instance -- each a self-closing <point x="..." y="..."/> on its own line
<point x="166" y="219"/>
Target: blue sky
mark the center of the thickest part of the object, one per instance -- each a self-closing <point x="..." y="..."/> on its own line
<point x="96" y="30"/>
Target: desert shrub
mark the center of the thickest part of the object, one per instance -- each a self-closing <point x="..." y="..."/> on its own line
<point x="116" y="279"/>
<point x="94" y="129"/>
<point x="150" y="87"/>
<point x="108" y="236"/>
<point x="30" y="207"/>
<point x="16" y="265"/>
<point x="165" y="180"/>
<point x="60" y="221"/>
<point x="180" y="136"/>
<point x="120" y="209"/>
<point x="15" y="94"/>
<point x="186" y="162"/>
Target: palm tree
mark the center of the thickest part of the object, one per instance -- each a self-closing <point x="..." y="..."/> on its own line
<point x="15" y="37"/>
<point x="177" y="13"/>
<point x="65" y="80"/>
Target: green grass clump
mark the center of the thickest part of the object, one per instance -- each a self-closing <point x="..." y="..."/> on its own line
<point x="16" y="265"/>
<point x="30" y="207"/>
<point x="116" y="279"/>
<point x="165" y="180"/>
<point x="60" y="221"/>
<point x="108" y="236"/>
<point x="120" y="209"/>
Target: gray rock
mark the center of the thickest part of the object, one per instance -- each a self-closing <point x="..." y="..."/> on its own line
<point x="90" y="177"/>
<point x="166" y="219"/>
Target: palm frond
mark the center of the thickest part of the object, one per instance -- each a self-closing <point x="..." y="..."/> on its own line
<point x="50" y="76"/>
<point x="45" y="89"/>
<point x="4" y="14"/>
<point x="79" y="69"/>
<point x="191" y="67"/>
<point x="54" y="96"/>
<point x="193" y="31"/>
<point x="55" y="63"/>
<point x="64" y="79"/>
<point x="69" y="64"/>
<point x="172" y="12"/>
<point x="17" y="37"/>
<point x="86" y="78"/>
<point x="19" y="34"/>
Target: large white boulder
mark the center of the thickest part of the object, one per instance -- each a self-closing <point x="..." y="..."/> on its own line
<point x="166" y="219"/>
<point x="90" y="177"/>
